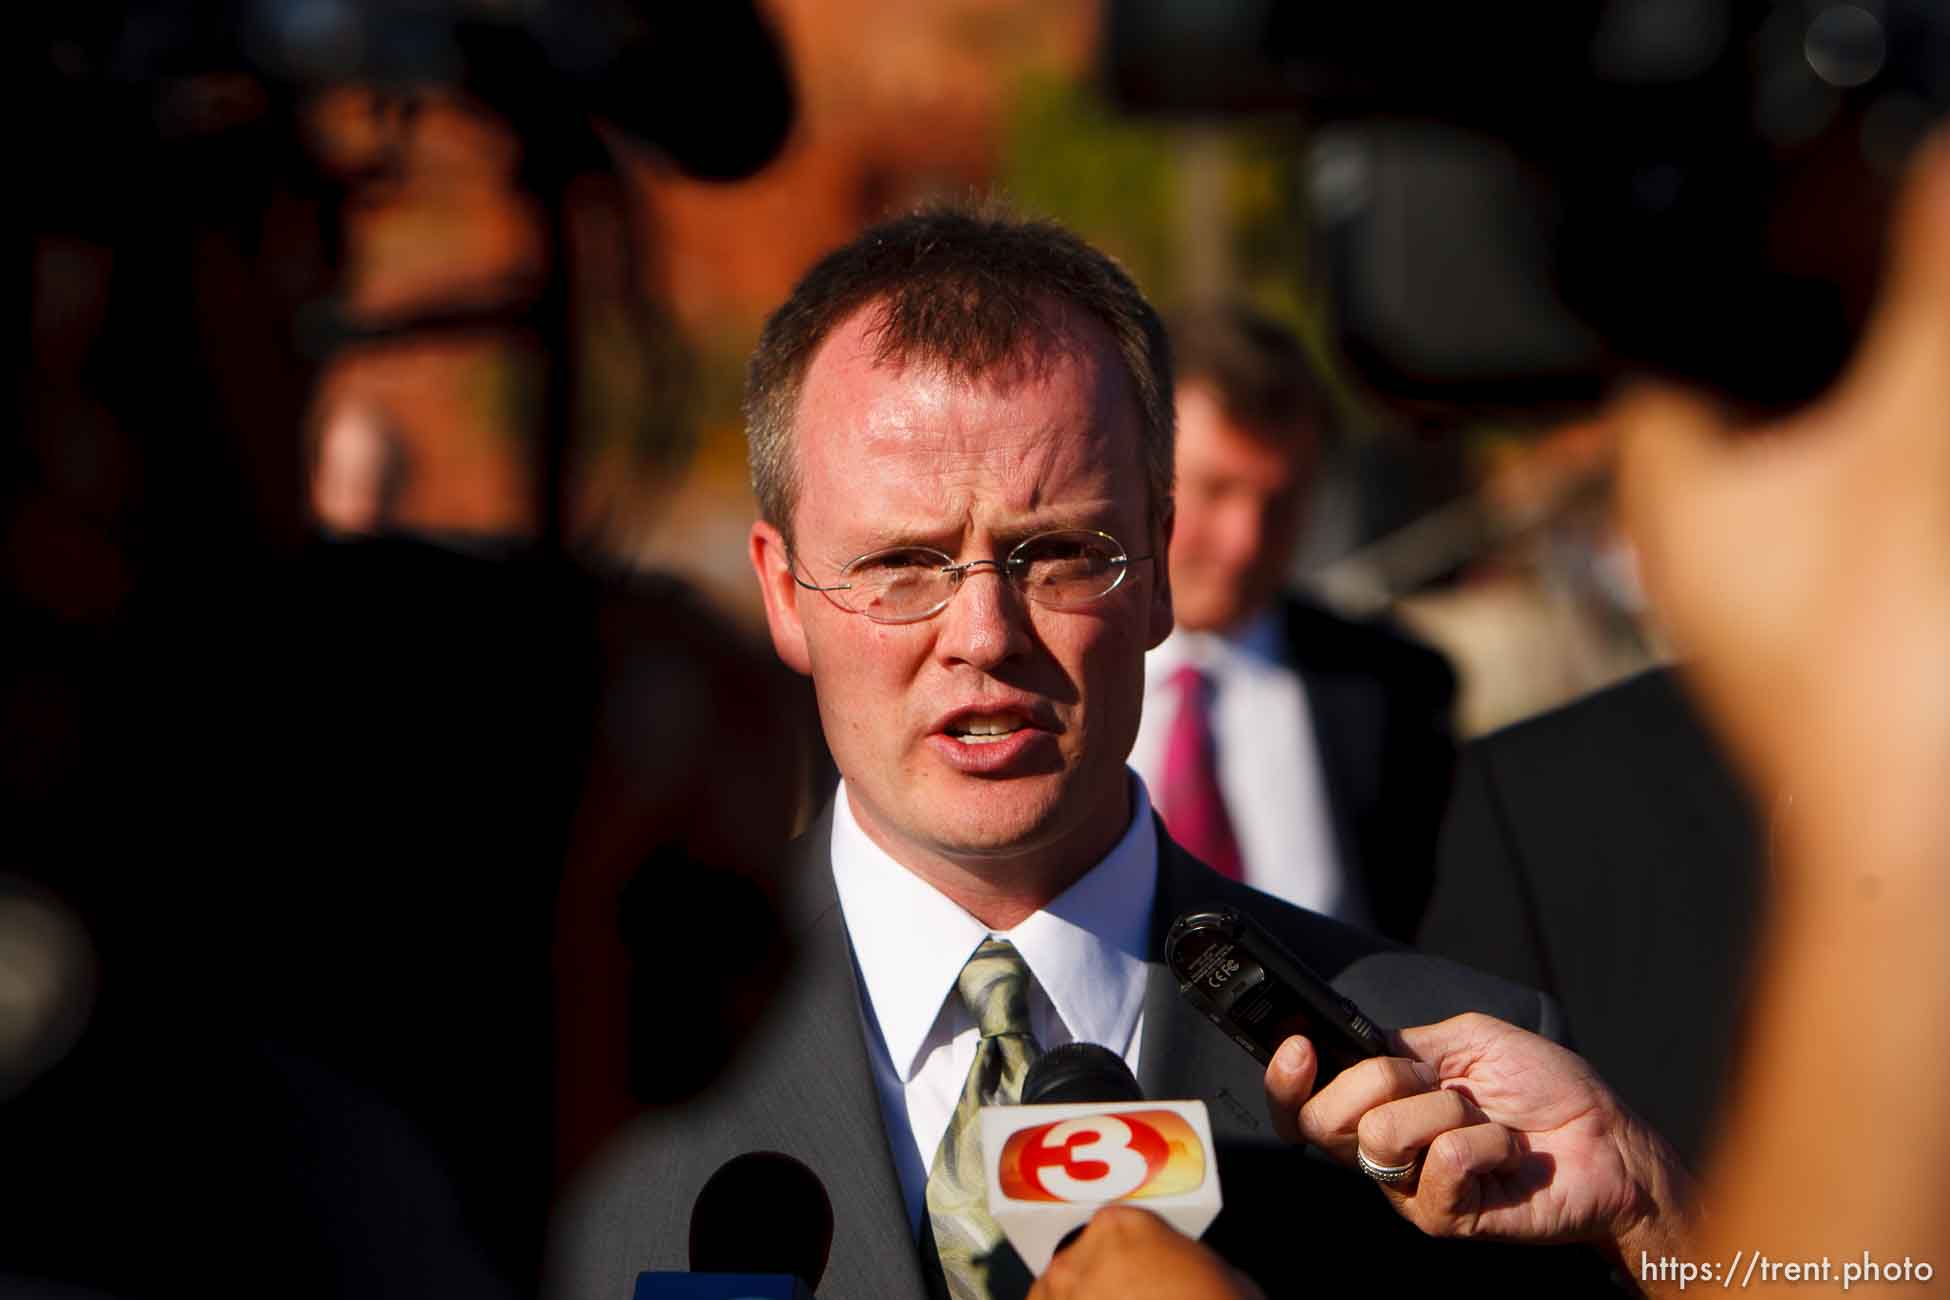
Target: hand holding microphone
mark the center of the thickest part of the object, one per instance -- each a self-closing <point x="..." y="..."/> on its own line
<point x="1127" y="1252"/>
<point x="1482" y="1129"/>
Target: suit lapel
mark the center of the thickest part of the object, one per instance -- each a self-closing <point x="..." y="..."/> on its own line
<point x="823" y="1062"/>
<point x="1180" y="1059"/>
<point x="1347" y="714"/>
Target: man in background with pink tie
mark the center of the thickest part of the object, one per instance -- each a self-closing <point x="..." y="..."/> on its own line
<point x="1286" y="746"/>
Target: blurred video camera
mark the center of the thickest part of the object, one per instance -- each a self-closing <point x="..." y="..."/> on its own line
<point x="707" y="84"/>
<point x="1515" y="204"/>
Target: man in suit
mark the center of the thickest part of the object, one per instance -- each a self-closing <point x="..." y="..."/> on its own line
<point x="1606" y="853"/>
<point x="961" y="443"/>
<point x="1304" y="753"/>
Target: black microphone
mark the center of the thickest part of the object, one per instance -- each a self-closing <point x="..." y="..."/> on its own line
<point x="762" y="1227"/>
<point x="1079" y="1072"/>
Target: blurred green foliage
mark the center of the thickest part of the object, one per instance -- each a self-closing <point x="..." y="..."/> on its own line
<point x="1121" y="182"/>
<point x="1112" y="180"/>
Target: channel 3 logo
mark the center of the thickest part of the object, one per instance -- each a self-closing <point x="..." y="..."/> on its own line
<point x="1108" y="1156"/>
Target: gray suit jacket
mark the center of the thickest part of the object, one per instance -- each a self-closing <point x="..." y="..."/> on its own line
<point x="804" y="1086"/>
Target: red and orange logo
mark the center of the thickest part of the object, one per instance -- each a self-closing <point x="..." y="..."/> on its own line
<point x="1115" y="1156"/>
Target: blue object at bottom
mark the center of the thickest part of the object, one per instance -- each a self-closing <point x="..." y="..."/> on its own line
<point x="720" y="1286"/>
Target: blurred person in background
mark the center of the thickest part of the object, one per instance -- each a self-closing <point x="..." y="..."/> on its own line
<point x="1608" y="853"/>
<point x="297" y="835"/>
<point x="240" y="1105"/>
<point x="1302" y="752"/>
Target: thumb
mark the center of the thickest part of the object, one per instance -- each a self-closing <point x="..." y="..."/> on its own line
<point x="1289" y="1082"/>
<point x="1916" y="263"/>
<point x="1670" y="445"/>
<point x="1905" y="353"/>
<point x="1451" y="1045"/>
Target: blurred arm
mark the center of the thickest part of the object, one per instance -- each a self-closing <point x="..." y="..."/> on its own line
<point x="1804" y="570"/>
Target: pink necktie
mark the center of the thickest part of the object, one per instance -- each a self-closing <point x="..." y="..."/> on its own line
<point x="1193" y="809"/>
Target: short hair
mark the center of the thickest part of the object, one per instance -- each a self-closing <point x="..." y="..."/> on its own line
<point x="1258" y="370"/>
<point x="964" y="288"/>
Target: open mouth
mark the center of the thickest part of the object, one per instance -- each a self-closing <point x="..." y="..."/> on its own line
<point x="985" y="729"/>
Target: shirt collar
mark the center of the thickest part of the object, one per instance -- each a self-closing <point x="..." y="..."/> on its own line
<point x="1263" y="637"/>
<point x="1259" y="641"/>
<point x="1086" y="949"/>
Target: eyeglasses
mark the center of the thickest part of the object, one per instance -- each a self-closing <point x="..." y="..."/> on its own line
<point x="1057" y="570"/>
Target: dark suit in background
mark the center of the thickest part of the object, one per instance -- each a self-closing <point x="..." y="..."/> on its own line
<point x="1376" y="713"/>
<point x="804" y="1086"/>
<point x="1605" y="854"/>
<point x="1381" y="706"/>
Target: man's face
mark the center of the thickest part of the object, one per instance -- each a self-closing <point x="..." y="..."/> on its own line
<point x="891" y="456"/>
<point x="1242" y="499"/>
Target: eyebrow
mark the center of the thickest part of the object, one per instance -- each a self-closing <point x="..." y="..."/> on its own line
<point x="1086" y="519"/>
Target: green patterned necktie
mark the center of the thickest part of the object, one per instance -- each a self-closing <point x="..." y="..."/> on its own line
<point x="994" y="987"/>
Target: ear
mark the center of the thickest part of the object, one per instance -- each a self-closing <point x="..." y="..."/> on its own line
<point x="1161" y="617"/>
<point x="774" y="569"/>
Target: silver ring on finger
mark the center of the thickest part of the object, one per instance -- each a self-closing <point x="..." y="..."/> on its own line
<point x="1386" y="1173"/>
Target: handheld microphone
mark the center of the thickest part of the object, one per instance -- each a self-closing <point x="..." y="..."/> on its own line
<point x="1086" y="1138"/>
<point x="762" y="1229"/>
<point x="1079" y="1072"/>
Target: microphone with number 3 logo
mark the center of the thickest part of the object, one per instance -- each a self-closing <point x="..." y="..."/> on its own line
<point x="1086" y="1138"/>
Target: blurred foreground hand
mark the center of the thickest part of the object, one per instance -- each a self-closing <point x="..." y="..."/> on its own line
<point x="1128" y="1254"/>
<point x="1803" y="568"/>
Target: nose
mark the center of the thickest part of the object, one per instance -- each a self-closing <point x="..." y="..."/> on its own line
<point x="987" y="622"/>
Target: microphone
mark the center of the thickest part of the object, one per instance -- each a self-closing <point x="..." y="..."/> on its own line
<point x="1085" y="1138"/>
<point x="762" y="1229"/>
<point x="1079" y="1072"/>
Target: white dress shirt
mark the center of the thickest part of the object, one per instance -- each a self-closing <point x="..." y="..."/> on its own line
<point x="1268" y="759"/>
<point x="1085" y="951"/>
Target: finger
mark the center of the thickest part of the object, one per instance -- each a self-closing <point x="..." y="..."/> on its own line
<point x="1246" y="1287"/>
<point x="1116" y="1230"/>
<point x="1069" y="1272"/>
<point x="1461" y="1047"/>
<point x="1908" y="339"/>
<point x="1395" y="1134"/>
<point x="1450" y="1185"/>
<point x="1125" y="1227"/>
<point x="1671" y="447"/>
<point x="1331" y="1116"/>
<point x="1666" y="436"/>
<point x="1452" y="1045"/>
<point x="1289" y="1080"/>
<point x="1126" y="1251"/>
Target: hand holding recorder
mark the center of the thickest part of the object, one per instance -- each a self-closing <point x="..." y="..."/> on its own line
<point x="1480" y="1129"/>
